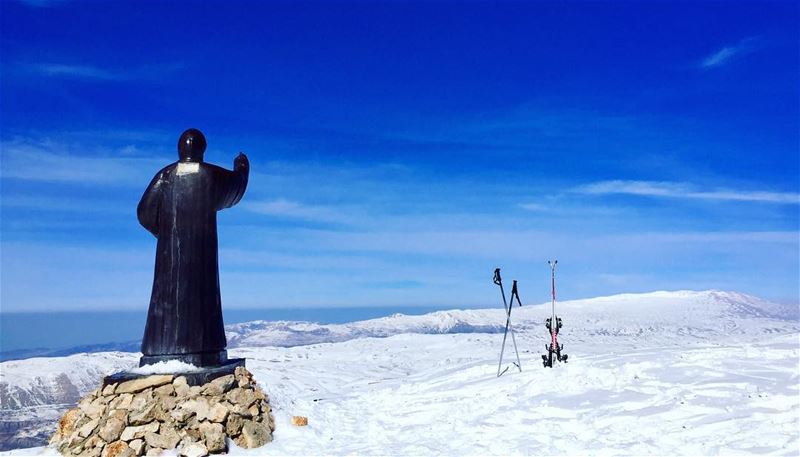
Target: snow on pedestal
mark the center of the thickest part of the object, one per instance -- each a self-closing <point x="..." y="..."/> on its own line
<point x="148" y="415"/>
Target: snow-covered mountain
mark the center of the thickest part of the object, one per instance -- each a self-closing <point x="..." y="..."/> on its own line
<point x="33" y="392"/>
<point x="302" y="364"/>
<point x="701" y="314"/>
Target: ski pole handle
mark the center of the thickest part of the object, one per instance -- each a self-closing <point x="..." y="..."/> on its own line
<point x="514" y="293"/>
<point x="497" y="279"/>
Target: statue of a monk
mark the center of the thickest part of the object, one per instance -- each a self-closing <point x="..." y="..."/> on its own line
<point x="180" y="207"/>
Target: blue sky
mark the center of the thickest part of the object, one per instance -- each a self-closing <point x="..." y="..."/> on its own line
<point x="401" y="151"/>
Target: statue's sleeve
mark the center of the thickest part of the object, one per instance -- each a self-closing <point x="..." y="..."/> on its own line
<point x="232" y="184"/>
<point x="149" y="205"/>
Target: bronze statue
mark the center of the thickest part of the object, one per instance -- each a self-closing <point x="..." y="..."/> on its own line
<point x="180" y="207"/>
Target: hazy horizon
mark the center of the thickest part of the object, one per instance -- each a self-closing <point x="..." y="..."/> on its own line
<point x="77" y="329"/>
<point x="487" y="303"/>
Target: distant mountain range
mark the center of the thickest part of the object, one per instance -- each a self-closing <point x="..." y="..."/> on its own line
<point x="20" y="354"/>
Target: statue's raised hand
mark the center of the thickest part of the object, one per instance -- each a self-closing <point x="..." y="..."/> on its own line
<point x="241" y="162"/>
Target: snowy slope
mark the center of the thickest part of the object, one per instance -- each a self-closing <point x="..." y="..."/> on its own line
<point x="660" y="373"/>
<point x="34" y="392"/>
<point x="439" y="395"/>
<point x="42" y="381"/>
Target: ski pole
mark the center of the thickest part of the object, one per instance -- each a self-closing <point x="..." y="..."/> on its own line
<point x="514" y="293"/>
<point x="507" y="308"/>
<point x="499" y="281"/>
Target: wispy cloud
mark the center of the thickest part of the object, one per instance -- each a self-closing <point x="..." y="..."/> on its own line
<point x="98" y="73"/>
<point x="49" y="161"/>
<point x="69" y="204"/>
<point x="294" y="210"/>
<point x="728" y="53"/>
<point x="76" y="71"/>
<point x="684" y="190"/>
<point x="533" y="207"/>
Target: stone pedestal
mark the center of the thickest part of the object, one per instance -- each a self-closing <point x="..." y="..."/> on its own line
<point x="150" y="414"/>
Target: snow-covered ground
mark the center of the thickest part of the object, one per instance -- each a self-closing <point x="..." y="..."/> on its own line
<point x="665" y="373"/>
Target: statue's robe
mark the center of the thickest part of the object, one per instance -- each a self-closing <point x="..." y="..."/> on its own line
<point x="180" y="207"/>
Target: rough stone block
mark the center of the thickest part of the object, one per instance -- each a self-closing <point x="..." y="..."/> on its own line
<point x="167" y="439"/>
<point x="137" y="385"/>
<point x="241" y="396"/>
<point x="112" y="430"/>
<point x="181" y="386"/>
<point x="214" y="435"/>
<point x="233" y="425"/>
<point x="253" y="435"/>
<point x="117" y="449"/>
<point x="194" y="450"/>
<point x="88" y="428"/>
<point x="137" y="446"/>
<point x="165" y="390"/>
<point x="219" y="386"/>
<point x="122" y="401"/>
<point x="109" y="389"/>
<point x="133" y="432"/>
<point x="68" y="422"/>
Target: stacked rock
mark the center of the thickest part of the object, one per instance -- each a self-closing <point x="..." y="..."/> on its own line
<point x="148" y="415"/>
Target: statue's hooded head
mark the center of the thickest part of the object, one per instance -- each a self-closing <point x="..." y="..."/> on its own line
<point x="191" y="146"/>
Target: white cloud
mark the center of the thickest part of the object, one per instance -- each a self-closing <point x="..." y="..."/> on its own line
<point x="295" y="210"/>
<point x="684" y="190"/>
<point x="66" y="204"/>
<point x="50" y="161"/>
<point x="76" y="71"/>
<point x="533" y="207"/>
<point x="92" y="72"/>
<point x="728" y="53"/>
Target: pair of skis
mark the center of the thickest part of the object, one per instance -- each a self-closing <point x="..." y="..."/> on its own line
<point x="552" y="323"/>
